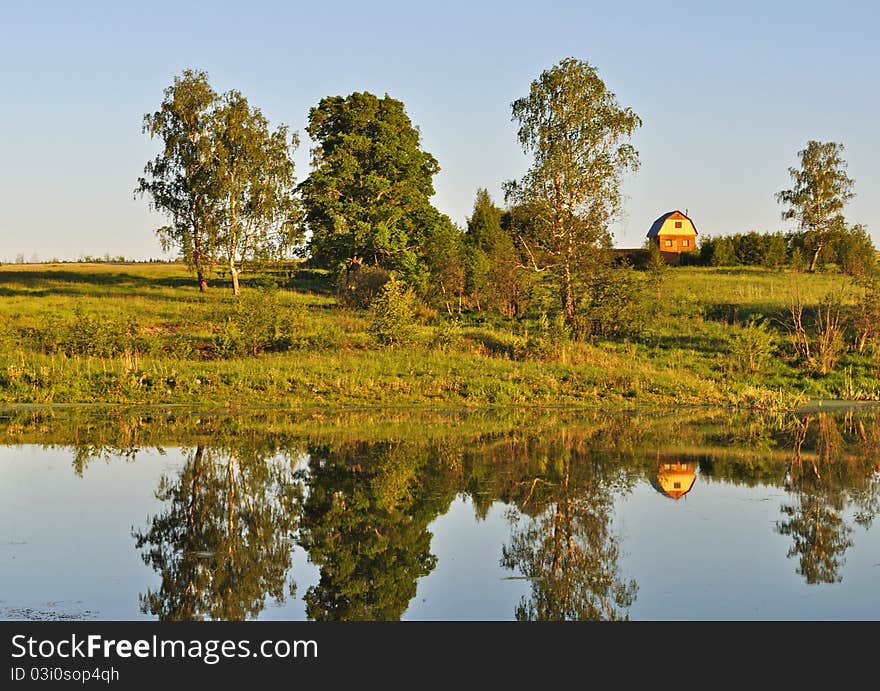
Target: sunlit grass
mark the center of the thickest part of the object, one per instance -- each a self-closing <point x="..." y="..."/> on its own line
<point x="682" y="357"/>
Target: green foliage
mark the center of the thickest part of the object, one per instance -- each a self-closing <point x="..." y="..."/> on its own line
<point x="745" y="249"/>
<point x="96" y="336"/>
<point x="494" y="275"/>
<point x="254" y="210"/>
<point x="547" y="340"/>
<point x="752" y="346"/>
<point x="579" y="137"/>
<point x="820" y="191"/>
<point x="393" y="314"/>
<point x="179" y="181"/>
<point x="257" y="322"/>
<point x="223" y="178"/>
<point x="854" y="251"/>
<point x="360" y="285"/>
<point x="448" y="336"/>
<point x="657" y="268"/>
<point x="616" y="305"/>
<point x="367" y="197"/>
<point x="865" y="318"/>
<point x="445" y="256"/>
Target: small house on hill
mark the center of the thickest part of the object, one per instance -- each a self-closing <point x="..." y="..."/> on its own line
<point x="674" y="234"/>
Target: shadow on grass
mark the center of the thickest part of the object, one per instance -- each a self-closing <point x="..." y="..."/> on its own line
<point x="45" y="282"/>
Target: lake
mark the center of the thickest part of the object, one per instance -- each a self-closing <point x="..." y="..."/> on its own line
<point x="187" y="514"/>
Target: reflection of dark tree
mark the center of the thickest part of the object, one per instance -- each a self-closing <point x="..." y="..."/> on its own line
<point x="224" y="543"/>
<point x="567" y="549"/>
<point x="365" y="525"/>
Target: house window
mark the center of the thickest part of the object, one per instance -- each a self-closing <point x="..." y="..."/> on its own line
<point x="667" y="243"/>
<point x="678" y="224"/>
<point x="676" y="485"/>
<point x="684" y="243"/>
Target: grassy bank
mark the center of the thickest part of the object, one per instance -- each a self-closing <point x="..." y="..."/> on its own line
<point x="142" y="333"/>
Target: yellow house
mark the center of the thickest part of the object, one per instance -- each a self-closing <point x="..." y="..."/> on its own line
<point x="675" y="479"/>
<point x="674" y="234"/>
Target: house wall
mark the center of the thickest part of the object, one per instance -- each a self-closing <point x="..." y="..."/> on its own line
<point x="668" y="228"/>
<point x="680" y="242"/>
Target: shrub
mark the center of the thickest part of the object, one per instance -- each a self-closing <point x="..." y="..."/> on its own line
<point x="548" y="339"/>
<point x="255" y="323"/>
<point x="393" y="314"/>
<point x="91" y="335"/>
<point x="448" y="335"/>
<point x="752" y="346"/>
<point x="615" y="305"/>
<point x="359" y="287"/>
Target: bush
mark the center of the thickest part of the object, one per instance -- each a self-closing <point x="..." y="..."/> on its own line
<point x="359" y="287"/>
<point x="752" y="346"/>
<point x="393" y="314"/>
<point x="92" y="336"/>
<point x="448" y="335"/>
<point x="616" y="305"/>
<point x="547" y="341"/>
<point x="255" y="323"/>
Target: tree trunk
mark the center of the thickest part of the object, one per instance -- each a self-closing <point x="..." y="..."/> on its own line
<point x="233" y="271"/>
<point x="198" y="262"/>
<point x="567" y="295"/>
<point x="815" y="260"/>
<point x="203" y="282"/>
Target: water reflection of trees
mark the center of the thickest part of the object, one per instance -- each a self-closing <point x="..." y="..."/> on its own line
<point x="566" y="548"/>
<point x="822" y="483"/>
<point x="223" y="544"/>
<point x="362" y="506"/>
<point x="365" y="525"/>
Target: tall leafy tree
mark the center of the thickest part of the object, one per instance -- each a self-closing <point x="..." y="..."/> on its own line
<point x="579" y="137"/>
<point x="367" y="198"/>
<point x="821" y="190"/>
<point x="256" y="211"/>
<point x="494" y="275"/>
<point x="180" y="181"/>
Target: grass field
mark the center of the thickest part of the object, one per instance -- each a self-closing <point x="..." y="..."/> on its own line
<point x="142" y="333"/>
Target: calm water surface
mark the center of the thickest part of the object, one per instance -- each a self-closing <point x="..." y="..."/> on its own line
<point x="708" y="516"/>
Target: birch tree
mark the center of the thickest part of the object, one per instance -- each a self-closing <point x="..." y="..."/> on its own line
<point x="256" y="213"/>
<point x="579" y="138"/>
<point x="180" y="181"/>
<point x="821" y="189"/>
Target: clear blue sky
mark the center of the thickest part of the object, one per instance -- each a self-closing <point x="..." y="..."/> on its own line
<point x="729" y="92"/>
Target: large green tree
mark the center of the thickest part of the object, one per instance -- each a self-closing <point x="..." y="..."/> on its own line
<point x="180" y="180"/>
<point x="256" y="212"/>
<point x="820" y="191"/>
<point x="495" y="276"/>
<point x="579" y="138"/>
<point x="367" y="198"/>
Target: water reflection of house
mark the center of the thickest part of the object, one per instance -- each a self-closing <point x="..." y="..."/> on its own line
<point x="674" y="479"/>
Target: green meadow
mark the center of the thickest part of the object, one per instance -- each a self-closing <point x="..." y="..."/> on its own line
<point x="141" y="333"/>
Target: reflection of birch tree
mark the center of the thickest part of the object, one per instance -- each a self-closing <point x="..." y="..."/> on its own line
<point x="820" y="536"/>
<point x="568" y="550"/>
<point x="224" y="543"/>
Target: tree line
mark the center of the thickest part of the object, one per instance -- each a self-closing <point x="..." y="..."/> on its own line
<point x="224" y="179"/>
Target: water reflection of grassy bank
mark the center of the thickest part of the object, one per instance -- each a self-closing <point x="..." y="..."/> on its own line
<point x="359" y="492"/>
<point x="714" y="437"/>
